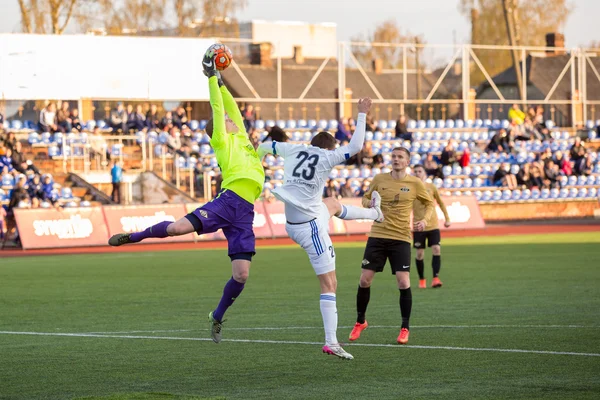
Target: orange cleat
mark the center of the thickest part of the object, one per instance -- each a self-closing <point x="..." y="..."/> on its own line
<point x="436" y="283"/>
<point x="422" y="283"/>
<point x="357" y="330"/>
<point x="403" y="336"/>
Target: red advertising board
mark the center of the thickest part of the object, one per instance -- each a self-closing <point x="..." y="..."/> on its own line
<point x="262" y="228"/>
<point x="69" y="227"/>
<point x="137" y="218"/>
<point x="463" y="211"/>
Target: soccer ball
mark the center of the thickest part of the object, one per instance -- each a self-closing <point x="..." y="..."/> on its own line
<point x="223" y="56"/>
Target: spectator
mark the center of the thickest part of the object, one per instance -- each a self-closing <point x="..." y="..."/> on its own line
<point x="180" y="117"/>
<point x="545" y="155"/>
<point x="18" y="194"/>
<point x="116" y="174"/>
<point x="343" y="133"/>
<point x="63" y="118"/>
<point x="48" y="119"/>
<point x="378" y="161"/>
<point x="6" y="160"/>
<point x="524" y="176"/>
<point x="152" y="118"/>
<point x="11" y="140"/>
<point x="371" y="126"/>
<point x="503" y="177"/>
<point x="566" y="167"/>
<point x="18" y="159"/>
<point x="75" y="121"/>
<point x="516" y="115"/>
<point x="48" y="189"/>
<point x="365" y="156"/>
<point x="36" y="188"/>
<point x="401" y="129"/>
<point x="584" y="165"/>
<point x="167" y="122"/>
<point x="465" y="158"/>
<point x="249" y="117"/>
<point x="137" y="121"/>
<point x="551" y="172"/>
<point x="35" y="202"/>
<point x="347" y="190"/>
<point x="530" y="132"/>
<point x="118" y="119"/>
<point x="432" y="167"/>
<point x="130" y="113"/>
<point x="577" y="150"/>
<point x="537" y="177"/>
<point x="331" y="190"/>
<point x="364" y="188"/>
<point x="1" y="120"/>
<point x="448" y="156"/>
<point x="500" y="142"/>
<point x="539" y="123"/>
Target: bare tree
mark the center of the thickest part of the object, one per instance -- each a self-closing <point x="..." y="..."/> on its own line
<point x="124" y="17"/>
<point x="534" y="19"/>
<point x="46" y="16"/>
<point x="216" y="17"/>
<point x="391" y="56"/>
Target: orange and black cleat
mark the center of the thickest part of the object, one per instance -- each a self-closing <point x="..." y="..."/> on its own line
<point x="403" y="336"/>
<point x="436" y="283"/>
<point x="357" y="330"/>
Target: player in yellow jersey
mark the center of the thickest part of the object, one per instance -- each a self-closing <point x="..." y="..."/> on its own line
<point x="233" y="208"/>
<point x="431" y="235"/>
<point x="390" y="240"/>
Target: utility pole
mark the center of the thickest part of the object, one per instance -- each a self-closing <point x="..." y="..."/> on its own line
<point x="509" y="7"/>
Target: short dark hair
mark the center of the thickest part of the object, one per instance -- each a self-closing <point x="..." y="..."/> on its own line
<point x="404" y="149"/>
<point x="277" y="134"/>
<point x="418" y="166"/>
<point x="209" y="128"/>
<point x="324" y="140"/>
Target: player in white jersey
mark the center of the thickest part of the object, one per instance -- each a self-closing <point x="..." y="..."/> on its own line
<point x="306" y="170"/>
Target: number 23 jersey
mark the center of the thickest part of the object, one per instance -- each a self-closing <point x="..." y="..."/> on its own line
<point x="306" y="170"/>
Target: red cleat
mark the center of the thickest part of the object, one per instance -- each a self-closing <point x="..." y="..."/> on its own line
<point x="422" y="283"/>
<point x="357" y="330"/>
<point x="403" y="336"/>
<point x="436" y="283"/>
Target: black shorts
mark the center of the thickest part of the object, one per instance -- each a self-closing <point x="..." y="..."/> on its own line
<point x="379" y="250"/>
<point x="431" y="238"/>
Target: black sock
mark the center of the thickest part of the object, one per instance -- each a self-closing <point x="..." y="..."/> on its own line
<point x="405" y="306"/>
<point x="362" y="301"/>
<point x="436" y="263"/>
<point x="421" y="268"/>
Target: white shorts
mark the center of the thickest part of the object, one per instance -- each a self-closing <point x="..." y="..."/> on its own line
<point x="314" y="238"/>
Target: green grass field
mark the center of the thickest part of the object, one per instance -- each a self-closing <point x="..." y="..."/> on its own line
<point x="518" y="317"/>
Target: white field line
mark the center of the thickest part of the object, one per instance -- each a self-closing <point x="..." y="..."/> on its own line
<point x="285" y="328"/>
<point x="566" y="353"/>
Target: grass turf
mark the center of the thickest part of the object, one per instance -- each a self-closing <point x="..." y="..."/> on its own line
<point x="536" y="293"/>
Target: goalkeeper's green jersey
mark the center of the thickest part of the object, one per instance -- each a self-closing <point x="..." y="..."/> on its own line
<point x="240" y="165"/>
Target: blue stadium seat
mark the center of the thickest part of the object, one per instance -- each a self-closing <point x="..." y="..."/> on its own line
<point x="195" y="125"/>
<point x="549" y="124"/>
<point x="16" y="124"/>
<point x="421" y="124"/>
<point x="270" y="123"/>
<point x="46" y="138"/>
<point x="582" y="180"/>
<point x="456" y="135"/>
<point x="278" y="175"/>
<point x="516" y="195"/>
<point x="497" y="195"/>
<point x="281" y="123"/>
<point x="387" y="135"/>
<point x="101" y="124"/>
<point x="573" y="193"/>
<point x="297" y="136"/>
<point x="365" y="172"/>
<point x="582" y="193"/>
<point x="307" y="136"/>
<point x="417" y="136"/>
<point x="486" y="195"/>
<point x="448" y="183"/>
<point x="526" y="194"/>
<point x="430" y="124"/>
<point x="487" y="123"/>
<point x="589" y="124"/>
<point x="592" y="135"/>
<point x="334" y="174"/>
<point x="181" y="162"/>
<point x="378" y="135"/>
<point x="477" y="194"/>
<point x="478" y="123"/>
<point x="468" y="183"/>
<point x="163" y="137"/>
<point x="592" y="192"/>
<point x="437" y="135"/>
<point x="572" y="181"/>
<point x="90" y="125"/>
<point x="391" y="124"/>
<point x="312" y="124"/>
<point x="593" y="180"/>
<point x="8" y="181"/>
<point x="152" y="137"/>
<point x="597" y="168"/>
<point x="554" y="193"/>
<point x="355" y="173"/>
<point x="449" y="124"/>
<point x="66" y="193"/>
<point x="514" y="169"/>
<point x="457" y="183"/>
<point x="456" y="170"/>
<point x="258" y="124"/>
<point x="33" y="138"/>
<point x="158" y="150"/>
<point x="53" y="151"/>
<point x="386" y="148"/>
<point x="332" y="124"/>
<point x="205" y="150"/>
<point x="382" y="125"/>
<point x="291" y="124"/>
<point x="322" y="124"/>
<point x="495" y="124"/>
<point x="116" y="149"/>
<point x="375" y="171"/>
<point x="412" y="124"/>
<point x="447" y="170"/>
<point x="302" y="124"/>
<point x="536" y="194"/>
<point x="562" y="193"/>
<point x="505" y="123"/>
<point x="506" y="195"/>
<point x="214" y="163"/>
<point x="440" y="124"/>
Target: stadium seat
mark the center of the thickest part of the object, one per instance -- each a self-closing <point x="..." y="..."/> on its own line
<point x="582" y="193"/>
<point x="90" y="125"/>
<point x="514" y="169"/>
<point x="477" y="194"/>
<point x="412" y="124"/>
<point x="456" y="170"/>
<point x="375" y="171"/>
<point x="495" y="124"/>
<point x="101" y="124"/>
<point x="302" y="124"/>
<point x="592" y="135"/>
<point x="355" y="173"/>
<point x="152" y="137"/>
<point x="554" y="193"/>
<point x="506" y="195"/>
<point x="278" y="175"/>
<point x="194" y="125"/>
<point x="214" y="163"/>
<point x="297" y="136"/>
<point x="158" y="150"/>
<point x="16" y="124"/>
<point x="562" y="193"/>
<point x="270" y="123"/>
<point x="457" y="183"/>
<point x="573" y="193"/>
<point x="478" y="123"/>
<point x="388" y="136"/>
<point x="497" y="195"/>
<point x="33" y="138"/>
<point x="46" y="138"/>
<point x="589" y="124"/>
<point x="332" y="124"/>
<point x="258" y="124"/>
<point x="516" y="195"/>
<point x="382" y="125"/>
<point x="378" y="135"/>
<point x="536" y="194"/>
<point x="53" y="151"/>
<point x="417" y="136"/>
<point x="582" y="180"/>
<point x="307" y="136"/>
<point x="448" y="183"/>
<point x="322" y="125"/>
<point x="291" y="124"/>
<point x="449" y="124"/>
<point x="281" y="123"/>
<point x="391" y="124"/>
<point x="430" y="124"/>
<point x="572" y="181"/>
<point x="486" y="195"/>
<point x="163" y="137"/>
<point x="440" y="124"/>
<point x="549" y="124"/>
<point x="468" y="183"/>
<point x="592" y="192"/>
<point x="526" y="194"/>
<point x="505" y="123"/>
<point x="421" y="124"/>
<point x="66" y="193"/>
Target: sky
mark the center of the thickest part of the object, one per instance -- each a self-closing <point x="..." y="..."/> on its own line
<point x="438" y="20"/>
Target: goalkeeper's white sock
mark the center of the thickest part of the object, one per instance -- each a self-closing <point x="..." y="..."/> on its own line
<point x="330" y="318"/>
<point x="353" y="212"/>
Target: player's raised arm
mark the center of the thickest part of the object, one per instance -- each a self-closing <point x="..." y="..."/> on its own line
<point x="358" y="138"/>
<point x="438" y="199"/>
<point x="273" y="147"/>
<point x="425" y="199"/>
<point x="232" y="109"/>
<point x="217" y="136"/>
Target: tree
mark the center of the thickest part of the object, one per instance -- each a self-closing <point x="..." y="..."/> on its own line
<point x="534" y="19"/>
<point x="391" y="56"/>
<point x="46" y="16"/>
<point x="122" y="17"/>
<point x="217" y="17"/>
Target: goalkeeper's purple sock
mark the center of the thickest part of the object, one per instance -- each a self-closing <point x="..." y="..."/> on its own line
<point x="155" y="231"/>
<point x="231" y="291"/>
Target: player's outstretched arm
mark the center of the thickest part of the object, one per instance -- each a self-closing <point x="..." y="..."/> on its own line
<point x="218" y="112"/>
<point x="438" y="199"/>
<point x="232" y="109"/>
<point x="273" y="147"/>
<point x="358" y="138"/>
<point x="425" y="199"/>
<point x="366" y="200"/>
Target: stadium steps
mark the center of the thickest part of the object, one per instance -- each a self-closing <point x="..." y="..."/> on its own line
<point x="86" y="191"/>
